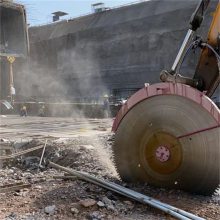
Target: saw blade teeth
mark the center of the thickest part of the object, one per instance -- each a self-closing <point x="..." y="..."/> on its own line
<point x="115" y="165"/>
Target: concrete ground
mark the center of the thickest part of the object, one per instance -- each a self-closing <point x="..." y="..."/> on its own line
<point x="14" y="127"/>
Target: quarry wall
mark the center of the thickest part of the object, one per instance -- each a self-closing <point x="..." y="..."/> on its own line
<point x="111" y="52"/>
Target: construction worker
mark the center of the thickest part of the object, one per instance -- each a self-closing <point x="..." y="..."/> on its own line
<point x="41" y="112"/>
<point x="106" y="106"/>
<point x="23" y="111"/>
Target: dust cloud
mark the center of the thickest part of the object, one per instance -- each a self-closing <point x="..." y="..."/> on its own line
<point x="70" y="75"/>
<point x="74" y="77"/>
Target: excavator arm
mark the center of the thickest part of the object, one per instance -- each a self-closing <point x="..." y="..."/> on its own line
<point x="206" y="77"/>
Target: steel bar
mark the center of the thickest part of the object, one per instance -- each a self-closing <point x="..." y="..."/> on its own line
<point x="182" y="50"/>
<point x="144" y="199"/>
<point x="42" y="155"/>
<point x="182" y="212"/>
<point x="178" y="213"/>
<point x="14" y="187"/>
<point x="20" y="153"/>
<point x="108" y="186"/>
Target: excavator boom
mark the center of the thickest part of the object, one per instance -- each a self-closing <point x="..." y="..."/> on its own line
<point x="206" y="77"/>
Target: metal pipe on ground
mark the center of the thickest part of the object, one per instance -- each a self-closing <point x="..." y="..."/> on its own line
<point x="171" y="210"/>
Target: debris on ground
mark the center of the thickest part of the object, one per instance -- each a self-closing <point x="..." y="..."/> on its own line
<point x="52" y="194"/>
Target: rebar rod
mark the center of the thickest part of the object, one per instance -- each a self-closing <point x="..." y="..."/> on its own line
<point x="175" y="212"/>
<point x="20" y="153"/>
<point x="42" y="155"/>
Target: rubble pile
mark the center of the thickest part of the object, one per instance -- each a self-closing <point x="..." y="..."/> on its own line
<point x="82" y="153"/>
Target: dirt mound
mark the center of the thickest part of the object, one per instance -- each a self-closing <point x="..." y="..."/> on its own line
<point x="89" y="154"/>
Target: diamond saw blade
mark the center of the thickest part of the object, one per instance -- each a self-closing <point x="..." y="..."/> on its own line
<point x="168" y="136"/>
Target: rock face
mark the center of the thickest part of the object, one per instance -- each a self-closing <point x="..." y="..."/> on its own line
<point x="113" y="52"/>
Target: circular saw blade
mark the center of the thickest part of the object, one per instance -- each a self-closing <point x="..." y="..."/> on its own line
<point x="168" y="135"/>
